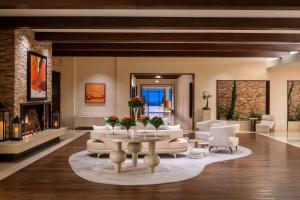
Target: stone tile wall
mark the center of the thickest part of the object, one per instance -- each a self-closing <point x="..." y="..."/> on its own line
<point x="24" y="42"/>
<point x="7" y="70"/>
<point x="251" y="96"/>
<point x="14" y="45"/>
<point x="295" y="100"/>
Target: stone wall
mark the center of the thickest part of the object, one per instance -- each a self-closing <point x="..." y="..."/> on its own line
<point x="251" y="97"/>
<point x="294" y="101"/>
<point x="14" y="45"/>
<point x="7" y="69"/>
<point x="24" y="42"/>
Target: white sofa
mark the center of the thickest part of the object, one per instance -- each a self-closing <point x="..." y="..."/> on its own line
<point x="223" y="137"/>
<point x="266" y="125"/>
<point x="99" y="144"/>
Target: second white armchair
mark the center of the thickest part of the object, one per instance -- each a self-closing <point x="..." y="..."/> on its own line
<point x="223" y="137"/>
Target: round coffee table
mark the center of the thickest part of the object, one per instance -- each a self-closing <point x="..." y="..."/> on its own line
<point x="134" y="146"/>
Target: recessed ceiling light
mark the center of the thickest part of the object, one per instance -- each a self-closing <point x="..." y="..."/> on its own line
<point x="156" y="81"/>
<point x="158" y="76"/>
<point x="293" y="52"/>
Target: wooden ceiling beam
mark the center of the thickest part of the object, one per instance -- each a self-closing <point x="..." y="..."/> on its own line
<point x="174" y="46"/>
<point x="271" y="54"/>
<point x="150" y="4"/>
<point x="65" y="37"/>
<point x="190" y="23"/>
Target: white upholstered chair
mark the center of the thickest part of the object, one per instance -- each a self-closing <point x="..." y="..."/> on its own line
<point x="203" y="128"/>
<point x="223" y="137"/>
<point x="266" y="125"/>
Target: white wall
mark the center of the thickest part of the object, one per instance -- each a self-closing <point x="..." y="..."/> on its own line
<point x="183" y="97"/>
<point x="206" y="70"/>
<point x="79" y="71"/>
<point x="68" y="92"/>
<point x="95" y="70"/>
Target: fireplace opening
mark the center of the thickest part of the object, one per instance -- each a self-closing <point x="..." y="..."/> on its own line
<point x="35" y="118"/>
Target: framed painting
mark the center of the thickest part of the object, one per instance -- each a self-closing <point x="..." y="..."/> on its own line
<point x="36" y="76"/>
<point x="95" y="92"/>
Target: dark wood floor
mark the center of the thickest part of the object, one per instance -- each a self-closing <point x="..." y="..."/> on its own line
<point x="271" y="172"/>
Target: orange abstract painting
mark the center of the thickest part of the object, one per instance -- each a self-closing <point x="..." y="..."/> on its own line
<point x="95" y="93"/>
<point x="37" y="71"/>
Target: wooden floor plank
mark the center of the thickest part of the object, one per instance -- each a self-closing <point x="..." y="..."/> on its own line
<point x="271" y="172"/>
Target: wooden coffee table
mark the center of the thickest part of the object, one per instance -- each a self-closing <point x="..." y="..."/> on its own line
<point x="134" y="146"/>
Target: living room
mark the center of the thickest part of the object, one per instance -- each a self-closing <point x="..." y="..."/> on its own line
<point x="149" y="100"/>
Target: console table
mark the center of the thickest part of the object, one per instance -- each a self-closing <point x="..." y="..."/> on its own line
<point x="134" y="146"/>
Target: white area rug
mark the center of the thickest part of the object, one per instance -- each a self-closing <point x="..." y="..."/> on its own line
<point x="101" y="170"/>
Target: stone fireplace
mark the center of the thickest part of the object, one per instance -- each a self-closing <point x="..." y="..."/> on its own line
<point x="35" y="117"/>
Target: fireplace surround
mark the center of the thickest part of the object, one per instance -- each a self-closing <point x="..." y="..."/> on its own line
<point x="35" y="117"/>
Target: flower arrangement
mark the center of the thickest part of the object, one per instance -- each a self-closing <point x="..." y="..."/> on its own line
<point x="113" y="120"/>
<point x="156" y="122"/>
<point x="144" y="120"/>
<point x="127" y="122"/>
<point x="136" y="102"/>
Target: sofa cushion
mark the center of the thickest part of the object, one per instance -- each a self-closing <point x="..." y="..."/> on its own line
<point x="178" y="143"/>
<point x="173" y="127"/>
<point x="100" y="128"/>
<point x="105" y="128"/>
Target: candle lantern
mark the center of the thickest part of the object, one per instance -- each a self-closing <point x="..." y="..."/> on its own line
<point x="16" y="128"/>
<point x="55" y="120"/>
<point x="4" y="122"/>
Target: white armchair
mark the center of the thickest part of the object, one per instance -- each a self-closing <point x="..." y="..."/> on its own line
<point x="266" y="125"/>
<point x="203" y="128"/>
<point x="223" y="137"/>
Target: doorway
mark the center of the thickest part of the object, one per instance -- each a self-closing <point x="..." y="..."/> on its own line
<point x="170" y="96"/>
<point x="56" y="92"/>
<point x="159" y="99"/>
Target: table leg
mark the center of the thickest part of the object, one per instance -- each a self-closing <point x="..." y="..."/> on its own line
<point x="117" y="156"/>
<point x="134" y="148"/>
<point x="151" y="159"/>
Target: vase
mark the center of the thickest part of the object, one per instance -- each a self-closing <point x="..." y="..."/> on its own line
<point x="135" y="113"/>
<point x="113" y="129"/>
<point x="145" y="130"/>
<point x="156" y="132"/>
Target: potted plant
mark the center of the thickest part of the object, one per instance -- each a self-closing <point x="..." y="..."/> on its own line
<point x="144" y="120"/>
<point x="156" y="122"/>
<point x="136" y="103"/>
<point x="113" y="121"/>
<point x="128" y="122"/>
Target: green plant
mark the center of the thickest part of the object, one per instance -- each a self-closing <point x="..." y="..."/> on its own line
<point x="236" y="116"/>
<point x="255" y="115"/>
<point x="297" y="113"/>
<point x="231" y="109"/>
<point x="290" y="91"/>
<point x="290" y="94"/>
<point x="221" y="112"/>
